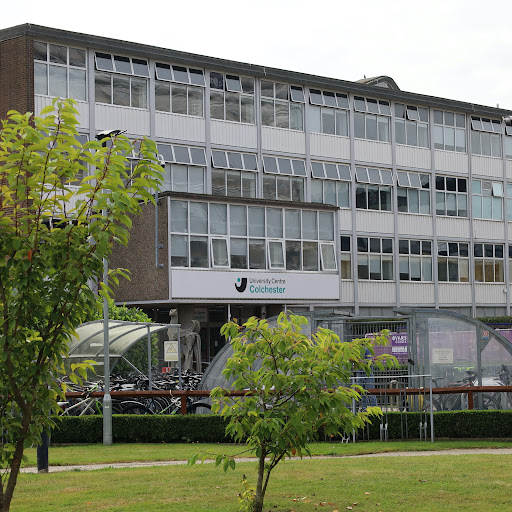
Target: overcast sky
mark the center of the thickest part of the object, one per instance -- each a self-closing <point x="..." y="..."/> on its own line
<point x="457" y="49"/>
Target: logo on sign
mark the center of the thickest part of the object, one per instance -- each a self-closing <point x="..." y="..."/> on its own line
<point x="242" y="284"/>
<point x="485" y="335"/>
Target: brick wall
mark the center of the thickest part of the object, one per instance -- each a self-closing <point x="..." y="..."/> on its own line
<point x="16" y="75"/>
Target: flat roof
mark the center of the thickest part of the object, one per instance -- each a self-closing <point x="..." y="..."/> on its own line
<point x="141" y="50"/>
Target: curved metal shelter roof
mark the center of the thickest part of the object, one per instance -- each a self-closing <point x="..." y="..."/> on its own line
<point x="88" y="342"/>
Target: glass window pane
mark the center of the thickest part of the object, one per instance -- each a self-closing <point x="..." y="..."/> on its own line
<point x="257" y="254"/>
<point x="140" y="67"/>
<point x="238" y="249"/>
<point x="414" y="206"/>
<point x="218" y="219"/>
<point x="248" y="184"/>
<point x="283" y="188"/>
<point x="218" y="182"/>
<point x="310" y="256"/>
<point x="163" y="71"/>
<point x="274" y="223"/>
<point x="247" y="85"/>
<point x="330" y="192"/>
<point x="375" y="269"/>
<point x="217" y="81"/>
<point x="342" y="123"/>
<point x="139" y="93"/>
<point x="449" y="139"/>
<point x="122" y="64"/>
<point x="309" y="225"/>
<point x="359" y="125"/>
<point x="270" y="164"/>
<point x="460" y="140"/>
<point x="232" y="106"/>
<point x="403" y="268"/>
<point x="220" y="252"/>
<point x="426" y="269"/>
<point x="216" y="105"/>
<point x="282" y="112"/>
<point x="326" y="221"/>
<point x="162" y="97"/>
<point x="383" y="129"/>
<point x="195" y="102"/>
<point x="411" y="133"/>
<point x="267" y="112"/>
<point x="179" y="178"/>
<point x="58" y="81"/>
<point x="121" y="89"/>
<point x="328" y="258"/>
<point x="297" y="189"/>
<point x="438" y="137"/>
<point x="293" y="253"/>
<point x="257" y="224"/>
<point x="104" y="62"/>
<point x="77" y="84"/>
<point x="40" y="78"/>
<point x="247" y="109"/>
<point x="371" y="127"/>
<point x="238" y="220"/>
<point x="179" y="251"/>
<point x="234" y="185"/>
<point x="180" y="74"/>
<point x="276" y="255"/>
<point x="199" y="251"/>
<point x="400" y="131"/>
<point x="285" y="165"/>
<point x="250" y="162"/>
<point x="269" y="187"/>
<point x="179" y="216"/>
<point x="363" y="270"/>
<point x="328" y="124"/>
<point x="235" y="160"/>
<point x="315" y="124"/>
<point x="299" y="167"/>
<point x="317" y="191"/>
<point x="296" y="116"/>
<point x="179" y="99"/>
<point x="58" y="54"/>
<point x="292" y="223"/>
<point x="198" y="217"/>
<point x="196" y="180"/>
<point x="40" y="51"/>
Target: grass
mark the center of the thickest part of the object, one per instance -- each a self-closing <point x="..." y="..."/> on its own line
<point x="98" y="454"/>
<point x="444" y="483"/>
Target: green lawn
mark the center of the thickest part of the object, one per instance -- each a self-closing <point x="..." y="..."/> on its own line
<point x="442" y="483"/>
<point x="97" y="453"/>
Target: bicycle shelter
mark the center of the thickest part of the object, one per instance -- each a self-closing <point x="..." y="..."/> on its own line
<point x="88" y="344"/>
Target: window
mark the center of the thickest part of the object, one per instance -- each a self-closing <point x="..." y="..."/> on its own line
<point x="183" y="178"/>
<point x="60" y="71"/>
<point x="507" y="141"/>
<point x="330" y="184"/>
<point x="370" y="119"/>
<point x="118" y="80"/>
<point x="489" y="263"/>
<point x="282" y="105"/>
<point x="181" y="154"/>
<point x="79" y="176"/>
<point x="228" y="174"/>
<point x="451" y="196"/>
<point x="222" y="236"/>
<point x="179" y="99"/>
<point x="415" y="260"/>
<point x="487" y="199"/>
<point x="328" y="112"/>
<point x="346" y="258"/>
<point x="453" y="262"/>
<point x="283" y="178"/>
<point x="373" y="189"/>
<point x="231" y="98"/>
<point x="375" y="258"/>
<point x="485" y="136"/>
<point x="411" y="125"/>
<point x="449" y="131"/>
<point x="180" y="74"/>
<point x="413" y="192"/>
<point x="509" y="202"/>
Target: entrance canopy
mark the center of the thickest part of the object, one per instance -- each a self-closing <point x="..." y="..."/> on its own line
<point x="88" y="343"/>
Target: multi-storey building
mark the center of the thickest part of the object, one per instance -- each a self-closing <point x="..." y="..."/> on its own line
<point x="286" y="189"/>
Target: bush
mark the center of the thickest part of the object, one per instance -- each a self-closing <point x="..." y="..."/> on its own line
<point x="210" y="428"/>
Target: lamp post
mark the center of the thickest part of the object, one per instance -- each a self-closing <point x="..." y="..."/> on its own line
<point x="107" y="399"/>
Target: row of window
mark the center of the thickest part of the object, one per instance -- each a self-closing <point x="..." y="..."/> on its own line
<point x="119" y="80"/>
<point x="214" y="235"/>
<point x="415" y="260"/>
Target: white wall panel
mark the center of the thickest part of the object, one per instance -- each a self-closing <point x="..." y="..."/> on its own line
<point x="490" y="293"/>
<point x="454" y="293"/>
<point x="374" y="222"/>
<point x="111" y="117"/>
<point x="487" y="166"/>
<point x="345" y="220"/>
<point x="82" y="106"/>
<point x="280" y="139"/>
<point x="509" y="169"/>
<point x="229" y="133"/>
<point x="347" y="292"/>
<point x="409" y="156"/>
<point x="451" y="161"/>
<point x="452" y="227"/>
<point x="414" y="224"/>
<point x="329" y="145"/>
<point x="372" y="151"/>
<point x="416" y="293"/>
<point x="488" y="229"/>
<point x="174" y="126"/>
<point x="377" y="292"/>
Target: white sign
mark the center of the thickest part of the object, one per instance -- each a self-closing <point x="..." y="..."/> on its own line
<point x="442" y="355"/>
<point x="171" y="351"/>
<point x="243" y="285"/>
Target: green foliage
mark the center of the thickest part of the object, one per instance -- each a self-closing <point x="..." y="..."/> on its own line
<point x="53" y="238"/>
<point x="138" y="354"/>
<point x="298" y="385"/>
<point x="247" y="497"/>
<point x="496" y="320"/>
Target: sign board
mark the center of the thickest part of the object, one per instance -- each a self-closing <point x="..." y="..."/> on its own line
<point x="171" y="351"/>
<point x="166" y="369"/>
<point x="485" y="335"/>
<point x="442" y="355"/>
<point x="244" y="285"/>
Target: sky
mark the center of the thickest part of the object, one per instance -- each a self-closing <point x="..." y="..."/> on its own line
<point x="456" y="49"/>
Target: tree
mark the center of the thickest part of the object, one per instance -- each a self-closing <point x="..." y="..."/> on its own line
<point x="138" y="354"/>
<point x="298" y="386"/>
<point x="53" y="239"/>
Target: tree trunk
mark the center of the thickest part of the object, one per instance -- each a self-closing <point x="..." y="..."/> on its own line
<point x="260" y="493"/>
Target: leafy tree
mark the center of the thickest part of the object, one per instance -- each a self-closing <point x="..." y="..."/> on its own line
<point x="138" y="354"/>
<point x="299" y="386"/>
<point x="53" y="238"/>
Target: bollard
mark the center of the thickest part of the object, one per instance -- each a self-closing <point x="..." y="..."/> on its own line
<point x="42" y="453"/>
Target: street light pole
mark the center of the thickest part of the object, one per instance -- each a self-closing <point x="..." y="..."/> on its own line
<point x="107" y="398"/>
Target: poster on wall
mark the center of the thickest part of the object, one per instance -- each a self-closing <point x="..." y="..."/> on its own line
<point x="241" y="286"/>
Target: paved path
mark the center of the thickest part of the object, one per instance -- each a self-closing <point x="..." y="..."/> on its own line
<point x="116" y="465"/>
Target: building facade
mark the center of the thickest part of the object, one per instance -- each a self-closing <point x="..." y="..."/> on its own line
<point x="285" y="189"/>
